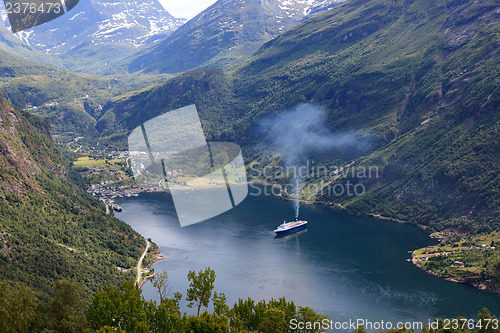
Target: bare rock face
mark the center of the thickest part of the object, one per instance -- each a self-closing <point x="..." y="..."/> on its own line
<point x="101" y="30"/>
<point x="226" y="33"/>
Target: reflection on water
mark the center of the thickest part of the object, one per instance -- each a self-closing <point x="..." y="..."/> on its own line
<point x="347" y="267"/>
<point x="294" y="235"/>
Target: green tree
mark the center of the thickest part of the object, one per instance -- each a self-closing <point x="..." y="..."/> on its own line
<point x="167" y="317"/>
<point x="67" y="308"/>
<point x="132" y="308"/>
<point x="220" y="305"/>
<point x="17" y="308"/>
<point x="306" y="314"/>
<point x="246" y="314"/>
<point x="288" y="308"/>
<point x="200" y="287"/>
<point x="485" y="316"/>
<point x="205" y="323"/>
<point x="360" y="329"/>
<point x="108" y="329"/>
<point x="104" y="308"/>
<point x="162" y="285"/>
<point x="123" y="308"/>
<point x="273" y="321"/>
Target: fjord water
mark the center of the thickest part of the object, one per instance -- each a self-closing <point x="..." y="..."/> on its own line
<point x="344" y="266"/>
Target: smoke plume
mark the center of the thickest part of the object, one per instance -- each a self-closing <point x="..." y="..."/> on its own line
<point x="300" y="132"/>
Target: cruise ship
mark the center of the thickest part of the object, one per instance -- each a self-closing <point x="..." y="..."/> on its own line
<point x="288" y="227"/>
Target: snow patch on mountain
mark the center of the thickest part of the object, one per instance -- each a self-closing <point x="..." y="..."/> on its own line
<point x="132" y="22"/>
<point x="319" y="6"/>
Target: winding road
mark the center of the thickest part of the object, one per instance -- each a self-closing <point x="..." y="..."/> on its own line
<point x="139" y="264"/>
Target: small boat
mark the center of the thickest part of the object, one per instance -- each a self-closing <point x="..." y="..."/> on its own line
<point x="288" y="227"/>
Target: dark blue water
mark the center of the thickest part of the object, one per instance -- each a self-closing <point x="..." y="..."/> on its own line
<point x="344" y="266"/>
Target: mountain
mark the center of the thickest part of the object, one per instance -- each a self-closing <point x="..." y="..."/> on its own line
<point x="419" y="78"/>
<point x="71" y="101"/>
<point x="224" y="34"/>
<point x="19" y="49"/>
<point x="96" y="34"/>
<point x="320" y="6"/>
<point x="49" y="228"/>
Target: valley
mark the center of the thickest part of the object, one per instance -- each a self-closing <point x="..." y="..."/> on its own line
<point x="396" y="103"/>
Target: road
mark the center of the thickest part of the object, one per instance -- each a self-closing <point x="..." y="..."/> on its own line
<point x="139" y="264"/>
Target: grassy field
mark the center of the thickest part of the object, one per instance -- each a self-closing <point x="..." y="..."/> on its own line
<point x="87" y="161"/>
<point x="107" y="170"/>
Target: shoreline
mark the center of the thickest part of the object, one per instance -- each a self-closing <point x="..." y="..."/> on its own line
<point x="413" y="261"/>
<point x="478" y="286"/>
<point x="139" y="263"/>
<point x="338" y="207"/>
<point x="157" y="257"/>
<point x="146" y="278"/>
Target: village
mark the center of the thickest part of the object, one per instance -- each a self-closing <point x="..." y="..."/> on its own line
<point x="427" y="254"/>
<point x="461" y="257"/>
<point x="109" y="177"/>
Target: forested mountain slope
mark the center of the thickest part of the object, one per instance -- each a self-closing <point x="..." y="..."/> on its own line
<point x="421" y="77"/>
<point x="49" y="228"/>
<point x="70" y="101"/>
